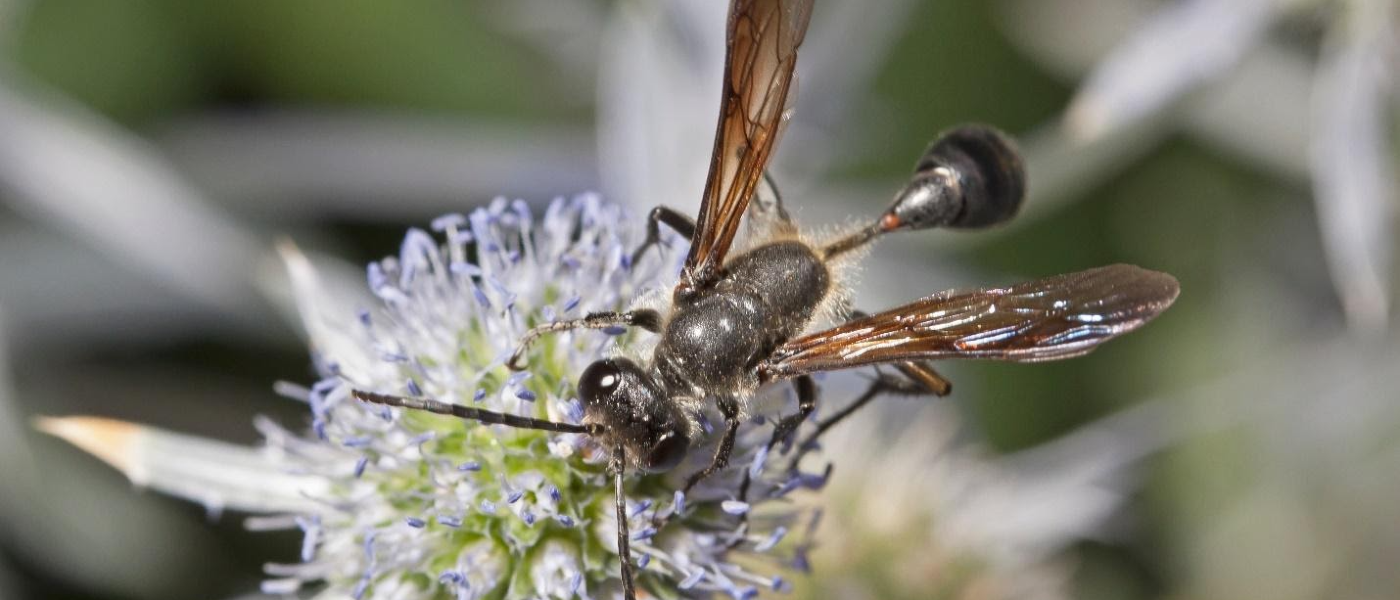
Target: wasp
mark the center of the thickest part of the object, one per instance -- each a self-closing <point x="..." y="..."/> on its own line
<point x="737" y="321"/>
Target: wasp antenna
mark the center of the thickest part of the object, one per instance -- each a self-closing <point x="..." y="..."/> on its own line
<point x="624" y="535"/>
<point x="474" y="414"/>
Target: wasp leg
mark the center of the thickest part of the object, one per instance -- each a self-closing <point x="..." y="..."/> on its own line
<point x="919" y="379"/>
<point x="647" y="319"/>
<point x="624" y="535"/>
<point x="730" y="410"/>
<point x="922" y="373"/>
<point x="806" y="403"/>
<point x="767" y="201"/>
<point x="672" y="218"/>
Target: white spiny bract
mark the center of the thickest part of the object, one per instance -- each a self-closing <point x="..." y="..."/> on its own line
<point x="428" y="506"/>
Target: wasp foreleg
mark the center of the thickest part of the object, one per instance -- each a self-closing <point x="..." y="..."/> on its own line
<point x="647" y="319"/>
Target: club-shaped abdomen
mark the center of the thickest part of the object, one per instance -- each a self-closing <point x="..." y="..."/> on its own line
<point x="969" y="177"/>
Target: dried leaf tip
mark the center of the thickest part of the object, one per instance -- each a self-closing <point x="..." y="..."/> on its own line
<point x="110" y="440"/>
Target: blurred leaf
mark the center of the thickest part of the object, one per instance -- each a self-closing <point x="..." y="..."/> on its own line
<point x="1253" y="113"/>
<point x="310" y="164"/>
<point x="434" y="55"/>
<point x="70" y="521"/>
<point x="1354" y="174"/>
<point x="953" y="65"/>
<point x="1182" y="45"/>
<point x="133" y="60"/>
<point x="104" y="186"/>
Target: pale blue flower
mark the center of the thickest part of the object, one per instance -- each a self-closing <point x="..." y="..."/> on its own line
<point x="420" y="500"/>
<point x="404" y="504"/>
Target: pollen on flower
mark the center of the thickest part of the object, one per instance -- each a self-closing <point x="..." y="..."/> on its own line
<point x="422" y="505"/>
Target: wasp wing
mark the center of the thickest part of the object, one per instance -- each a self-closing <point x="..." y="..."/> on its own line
<point x="1047" y="319"/>
<point x="762" y="42"/>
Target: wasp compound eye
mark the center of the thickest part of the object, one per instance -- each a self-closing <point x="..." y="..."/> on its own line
<point x="599" y="381"/>
<point x="666" y="453"/>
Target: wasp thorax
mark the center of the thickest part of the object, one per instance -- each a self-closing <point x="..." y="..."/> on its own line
<point x="634" y="412"/>
<point x="969" y="177"/>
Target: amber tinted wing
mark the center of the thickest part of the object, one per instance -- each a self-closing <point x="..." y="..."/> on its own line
<point x="1047" y="319"/>
<point x="761" y="54"/>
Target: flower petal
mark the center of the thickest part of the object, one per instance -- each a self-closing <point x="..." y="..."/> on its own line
<point x="107" y="188"/>
<point x="829" y="114"/>
<point x="1182" y="45"/>
<point x="216" y="474"/>
<point x="329" y="335"/>
<point x="661" y="64"/>
<point x="1253" y="113"/>
<point x="373" y="165"/>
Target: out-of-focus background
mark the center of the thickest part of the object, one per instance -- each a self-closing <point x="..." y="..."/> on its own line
<point x="1243" y="445"/>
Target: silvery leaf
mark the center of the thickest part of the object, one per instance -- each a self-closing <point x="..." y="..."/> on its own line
<point x="1354" y="176"/>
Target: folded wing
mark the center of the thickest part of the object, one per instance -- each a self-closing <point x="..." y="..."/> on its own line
<point x="1046" y="319"/>
<point x="762" y="53"/>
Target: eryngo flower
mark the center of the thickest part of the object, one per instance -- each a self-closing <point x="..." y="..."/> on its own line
<point x="948" y="519"/>
<point x="406" y="504"/>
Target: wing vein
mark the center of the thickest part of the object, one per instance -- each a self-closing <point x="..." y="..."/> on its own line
<point x="762" y="45"/>
<point x="1047" y="319"/>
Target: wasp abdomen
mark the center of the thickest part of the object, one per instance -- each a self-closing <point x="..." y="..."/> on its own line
<point x="787" y="277"/>
<point x="969" y="177"/>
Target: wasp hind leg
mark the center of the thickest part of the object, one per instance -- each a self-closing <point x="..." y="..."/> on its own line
<point x="806" y="403"/>
<point x="767" y="205"/>
<point x="916" y="378"/>
<point x="785" y="427"/>
<point x="674" y="219"/>
<point x="730" y="410"/>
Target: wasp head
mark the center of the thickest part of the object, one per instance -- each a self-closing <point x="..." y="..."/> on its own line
<point x="634" y="412"/>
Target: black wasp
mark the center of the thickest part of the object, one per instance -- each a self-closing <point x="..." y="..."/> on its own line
<point x="737" y="323"/>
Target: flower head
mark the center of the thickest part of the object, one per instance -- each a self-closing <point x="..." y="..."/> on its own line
<point x="418" y="504"/>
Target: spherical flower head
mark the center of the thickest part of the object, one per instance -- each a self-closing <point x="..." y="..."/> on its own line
<point x="425" y="505"/>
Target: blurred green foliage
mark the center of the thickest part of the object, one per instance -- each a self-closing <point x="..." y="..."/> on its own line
<point x="140" y="61"/>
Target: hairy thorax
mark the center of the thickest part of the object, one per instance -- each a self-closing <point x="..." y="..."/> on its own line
<point x="716" y="338"/>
